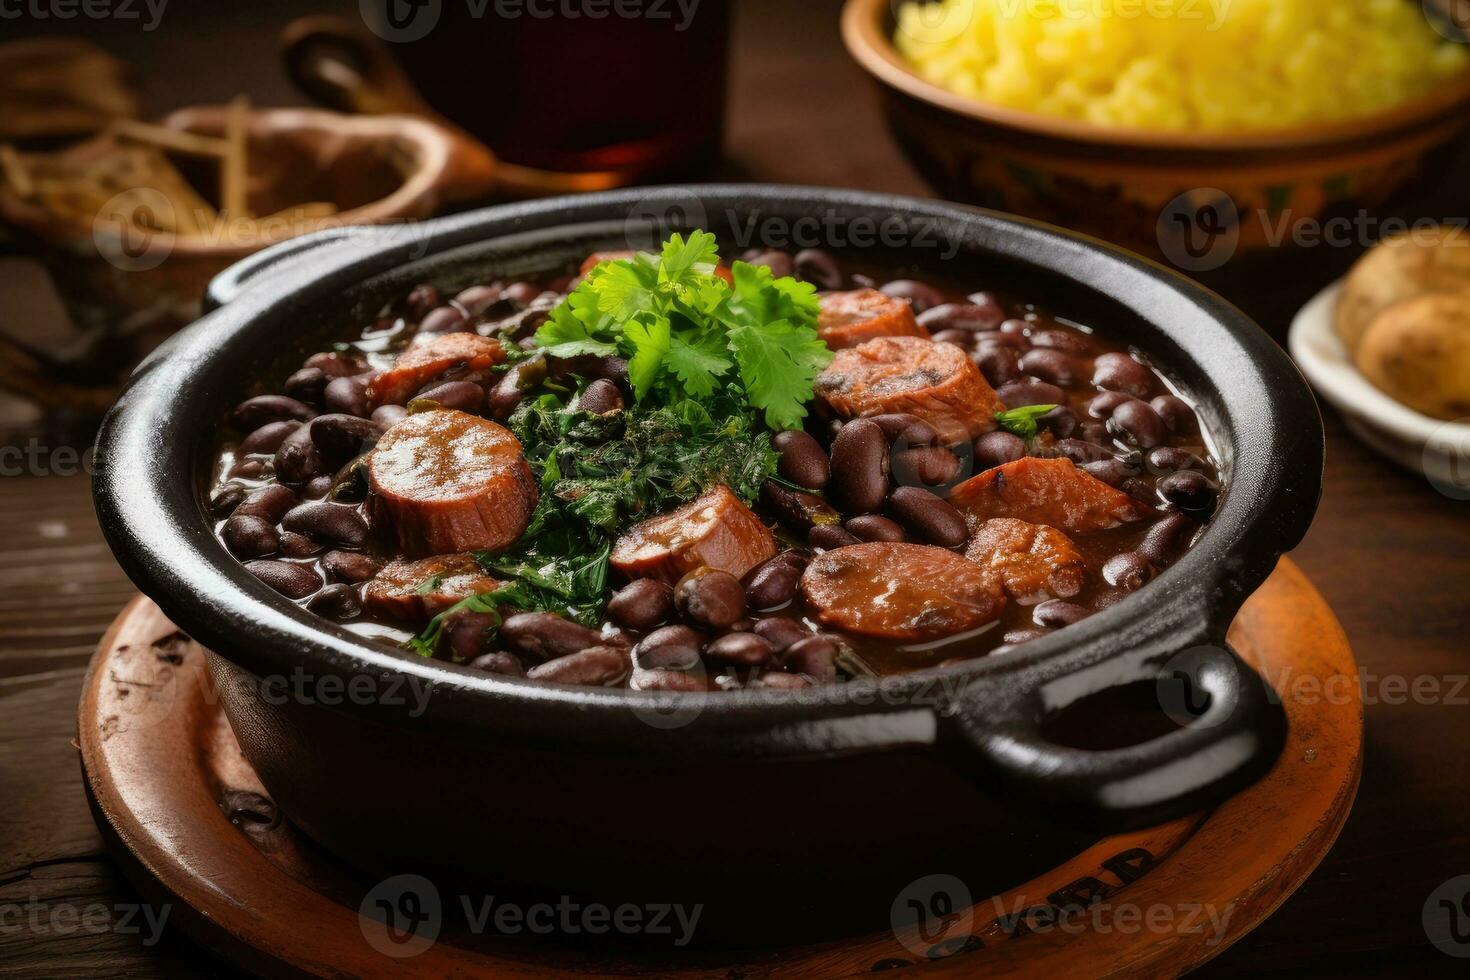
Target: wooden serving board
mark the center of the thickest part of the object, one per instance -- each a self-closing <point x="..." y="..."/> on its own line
<point x="192" y="826"/>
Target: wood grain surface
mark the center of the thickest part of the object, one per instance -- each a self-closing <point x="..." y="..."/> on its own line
<point x="1387" y="551"/>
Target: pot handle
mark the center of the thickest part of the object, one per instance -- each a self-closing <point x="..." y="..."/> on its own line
<point x="1231" y="729"/>
<point x="271" y="262"/>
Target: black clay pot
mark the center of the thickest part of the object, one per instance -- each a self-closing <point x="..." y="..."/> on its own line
<point x="812" y="805"/>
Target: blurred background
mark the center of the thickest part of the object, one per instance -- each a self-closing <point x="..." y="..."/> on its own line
<point x="142" y="151"/>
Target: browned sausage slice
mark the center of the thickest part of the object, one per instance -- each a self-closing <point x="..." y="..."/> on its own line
<point x="936" y="382"/>
<point x="901" y="591"/>
<point x="447" y="481"/>
<point x="715" y="530"/>
<point x="417" y="591"/>
<point x="424" y="362"/>
<point x="856" y="316"/>
<point x="1045" y="491"/>
<point x="1034" y="561"/>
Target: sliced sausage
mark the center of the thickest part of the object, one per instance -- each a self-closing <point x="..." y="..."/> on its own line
<point x="422" y="363"/>
<point x="446" y="481"/>
<point x="1045" y="491"/>
<point x="901" y="591"/>
<point x="715" y="530"/>
<point x="417" y="591"/>
<point x="937" y="383"/>
<point x="856" y="316"/>
<point x="1034" y="561"/>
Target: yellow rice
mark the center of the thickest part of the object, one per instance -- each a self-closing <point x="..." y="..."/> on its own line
<point x="1181" y="64"/>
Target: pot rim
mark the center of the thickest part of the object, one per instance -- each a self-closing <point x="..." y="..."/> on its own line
<point x="153" y="517"/>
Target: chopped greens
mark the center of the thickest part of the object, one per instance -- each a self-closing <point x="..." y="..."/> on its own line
<point x="688" y="333"/>
<point x="1022" y="421"/>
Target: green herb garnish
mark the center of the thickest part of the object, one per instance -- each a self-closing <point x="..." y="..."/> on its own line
<point x="1022" y="421"/>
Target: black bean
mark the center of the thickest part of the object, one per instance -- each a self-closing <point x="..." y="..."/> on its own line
<point x="874" y="527"/>
<point x="1170" y="459"/>
<point x="1060" y="339"/>
<point x="338" y="524"/>
<point x="1176" y="413"/>
<point x="990" y="303"/>
<point x="1029" y="392"/>
<point x="270" y="503"/>
<point x="340" y="438"/>
<point x="921" y="295"/>
<point x="959" y="338"/>
<point x="465" y="396"/>
<point x="307" y="385"/>
<point x="996" y="448"/>
<point x="595" y="667"/>
<point x="710" y="597"/>
<point x="1000" y="365"/>
<point x="969" y="317"/>
<point x="477" y="299"/>
<point x="1188" y="490"/>
<point x="250" y="537"/>
<point x="252" y="413"/>
<point x="668" y="680"/>
<point x="347" y="396"/>
<point x="226" y="499"/>
<point x="350" y="566"/>
<point x="387" y="416"/>
<point x="521" y="293"/>
<point x="669" y="648"/>
<point x="741" y="650"/>
<point x="1081" y="452"/>
<point x="294" y="545"/>
<point x="778" y="262"/>
<point x="1111" y="470"/>
<point x="1102" y="406"/>
<point x="1048" y="365"/>
<point x="773" y="584"/>
<point x="601" y="397"/>
<point x="544" y="635"/>
<point x="781" y="631"/>
<point x="925" y="466"/>
<point x="511" y="389"/>
<point x="1119" y="372"/>
<point x="442" y="319"/>
<point x="819" y="268"/>
<point x="815" y="656"/>
<point x="642" y="604"/>
<point x="499" y="662"/>
<point x="336" y="602"/>
<point x="1056" y="613"/>
<point x="297" y="459"/>
<point x="859" y="467"/>
<point x="1011" y="333"/>
<point x="904" y="430"/>
<point x="829" y="536"/>
<point x="1140" y="490"/>
<point x="796" y="559"/>
<point x="290" y="580"/>
<point x="927" y="517"/>
<point x="796" y="509"/>
<point x="268" y="438"/>
<point x="803" y="461"/>
<point x="1137" y="423"/>
<point x="1128" y="570"/>
<point x="1165" y="538"/>
<point x="778" y="681"/>
<point x="421" y="299"/>
<point x="1060" y="421"/>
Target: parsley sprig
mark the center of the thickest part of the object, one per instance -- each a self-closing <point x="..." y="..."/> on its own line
<point x="1022" y="421"/>
<point x="688" y="333"/>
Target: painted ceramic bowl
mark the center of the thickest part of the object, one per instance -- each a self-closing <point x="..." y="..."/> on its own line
<point x="1184" y="196"/>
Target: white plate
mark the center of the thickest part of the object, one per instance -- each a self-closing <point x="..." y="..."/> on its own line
<point x="1438" y="450"/>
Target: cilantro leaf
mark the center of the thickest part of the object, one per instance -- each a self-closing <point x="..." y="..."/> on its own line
<point x="650" y="338"/>
<point x="779" y="362"/>
<point x="698" y="360"/>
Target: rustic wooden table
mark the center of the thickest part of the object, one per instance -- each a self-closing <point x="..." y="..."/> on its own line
<point x="1390" y="553"/>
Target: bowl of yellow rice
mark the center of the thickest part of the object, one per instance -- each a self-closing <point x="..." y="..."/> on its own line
<point x="1109" y="115"/>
